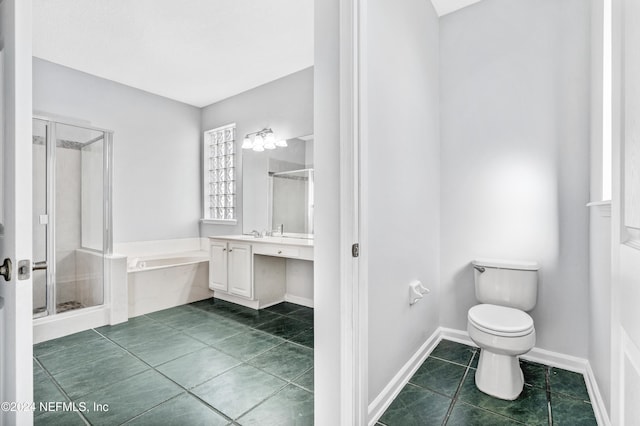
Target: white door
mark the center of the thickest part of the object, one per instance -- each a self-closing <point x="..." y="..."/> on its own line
<point x="218" y="265"/>
<point x="625" y="406"/>
<point x="16" y="375"/>
<point x="240" y="270"/>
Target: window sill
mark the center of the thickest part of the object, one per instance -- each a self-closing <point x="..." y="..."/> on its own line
<point x="219" y="221"/>
<point x="603" y="207"/>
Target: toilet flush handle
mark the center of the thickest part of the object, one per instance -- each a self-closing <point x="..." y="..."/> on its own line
<point x="479" y="268"/>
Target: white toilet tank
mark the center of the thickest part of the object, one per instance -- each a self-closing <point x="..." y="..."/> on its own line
<point x="506" y="282"/>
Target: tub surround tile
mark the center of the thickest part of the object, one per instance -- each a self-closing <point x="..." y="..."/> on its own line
<point x="566" y="410"/>
<point x="130" y="397"/>
<point x="530" y="407"/>
<point x="467" y="415"/>
<point x="416" y="406"/>
<point x="568" y="383"/>
<point x="245" y="346"/>
<point x="197" y="367"/>
<point x="286" y="361"/>
<point x="181" y="410"/>
<point x="238" y="390"/>
<point x="454" y="352"/>
<point x="87" y="377"/>
<point x="284" y="327"/>
<point x="291" y="406"/>
<point x="439" y="376"/>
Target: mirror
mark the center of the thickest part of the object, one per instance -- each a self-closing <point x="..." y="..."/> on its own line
<point x="277" y="189"/>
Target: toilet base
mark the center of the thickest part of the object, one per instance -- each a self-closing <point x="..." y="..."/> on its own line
<point x="499" y="375"/>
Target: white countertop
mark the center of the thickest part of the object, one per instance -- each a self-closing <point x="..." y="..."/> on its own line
<point x="304" y="242"/>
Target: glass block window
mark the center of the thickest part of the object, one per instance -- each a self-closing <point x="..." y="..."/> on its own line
<point x="220" y="173"/>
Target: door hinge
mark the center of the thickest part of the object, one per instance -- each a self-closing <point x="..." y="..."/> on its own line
<point x="355" y="250"/>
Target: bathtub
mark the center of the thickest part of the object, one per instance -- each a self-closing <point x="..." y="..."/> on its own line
<point x="162" y="281"/>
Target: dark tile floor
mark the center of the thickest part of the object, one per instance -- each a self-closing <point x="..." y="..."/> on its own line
<point x="209" y="363"/>
<point x="443" y="392"/>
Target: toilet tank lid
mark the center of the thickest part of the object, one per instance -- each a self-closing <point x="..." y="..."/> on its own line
<point x="520" y="265"/>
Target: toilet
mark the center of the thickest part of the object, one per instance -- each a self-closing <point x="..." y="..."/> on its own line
<point x="500" y="325"/>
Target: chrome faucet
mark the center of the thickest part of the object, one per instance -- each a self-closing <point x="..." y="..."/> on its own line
<point x="256" y="234"/>
<point x="280" y="229"/>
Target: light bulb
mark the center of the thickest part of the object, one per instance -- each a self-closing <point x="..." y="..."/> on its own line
<point x="258" y="141"/>
<point x="246" y="143"/>
<point x="282" y="143"/>
<point x="270" y="138"/>
<point x="258" y="148"/>
<point x="269" y="144"/>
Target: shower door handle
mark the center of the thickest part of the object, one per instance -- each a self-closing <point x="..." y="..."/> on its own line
<point x="39" y="266"/>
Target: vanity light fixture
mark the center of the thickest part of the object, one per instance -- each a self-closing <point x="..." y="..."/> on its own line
<point x="261" y="140"/>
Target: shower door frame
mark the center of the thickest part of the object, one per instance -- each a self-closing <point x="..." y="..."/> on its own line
<point x="107" y="236"/>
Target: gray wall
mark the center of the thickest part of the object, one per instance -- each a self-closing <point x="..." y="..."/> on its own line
<point x="156" y="185"/>
<point x="285" y="105"/>
<point x="515" y="156"/>
<point x="401" y="162"/>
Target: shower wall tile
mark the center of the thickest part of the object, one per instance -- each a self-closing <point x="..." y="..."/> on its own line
<point x="67" y="222"/>
<point x="67" y="199"/>
<point x="90" y="273"/>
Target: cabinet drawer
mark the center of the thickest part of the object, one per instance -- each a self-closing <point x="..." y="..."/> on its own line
<point x="281" y="251"/>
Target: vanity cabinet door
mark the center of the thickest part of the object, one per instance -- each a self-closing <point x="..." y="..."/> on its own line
<point x="240" y="269"/>
<point x="218" y="265"/>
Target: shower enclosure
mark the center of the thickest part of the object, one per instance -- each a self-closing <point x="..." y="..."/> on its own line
<point x="71" y="216"/>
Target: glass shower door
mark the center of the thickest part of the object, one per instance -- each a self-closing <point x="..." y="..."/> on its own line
<point x="70" y="237"/>
<point x="40" y="218"/>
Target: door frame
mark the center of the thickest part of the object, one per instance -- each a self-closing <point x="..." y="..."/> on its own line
<point x="16" y="315"/>
<point x="353" y="223"/>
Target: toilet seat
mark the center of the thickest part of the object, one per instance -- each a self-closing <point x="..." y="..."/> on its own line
<point x="500" y="320"/>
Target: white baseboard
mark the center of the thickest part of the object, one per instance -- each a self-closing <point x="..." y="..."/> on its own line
<point x="393" y="388"/>
<point x="542" y="356"/>
<point x="298" y="300"/>
<point x="599" y="407"/>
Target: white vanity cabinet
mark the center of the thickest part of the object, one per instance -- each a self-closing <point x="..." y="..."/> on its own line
<point x="230" y="268"/>
<point x="253" y="271"/>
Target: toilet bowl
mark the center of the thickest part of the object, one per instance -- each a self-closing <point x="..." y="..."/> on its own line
<point x="500" y="325"/>
<point x="502" y="333"/>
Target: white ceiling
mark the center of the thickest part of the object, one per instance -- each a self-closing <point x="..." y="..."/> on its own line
<point x="193" y="51"/>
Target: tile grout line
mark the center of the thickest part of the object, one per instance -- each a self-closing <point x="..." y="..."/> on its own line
<point x="57" y="385"/>
<point x="163" y="375"/>
<point x="547" y="382"/>
<point x="455" y="395"/>
<point x="188" y="391"/>
<point x="286" y="382"/>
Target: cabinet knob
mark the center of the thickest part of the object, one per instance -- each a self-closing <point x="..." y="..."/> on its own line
<point x="230" y="250"/>
<point x="279" y="251"/>
<point x="224" y="249"/>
